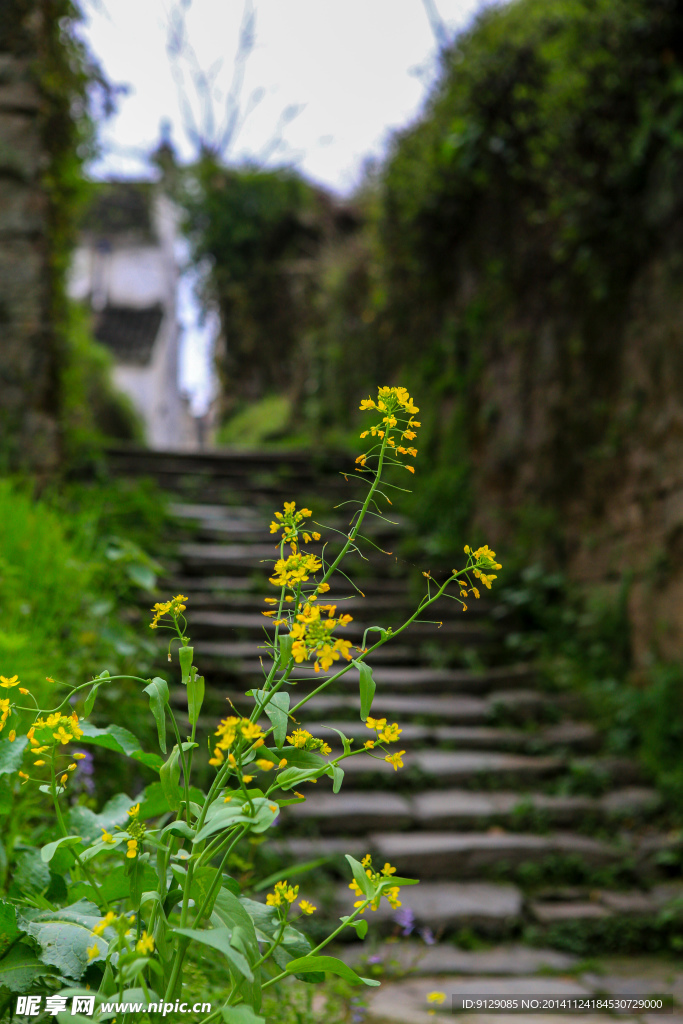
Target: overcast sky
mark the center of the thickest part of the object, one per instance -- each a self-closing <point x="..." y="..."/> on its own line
<point x="357" y="69"/>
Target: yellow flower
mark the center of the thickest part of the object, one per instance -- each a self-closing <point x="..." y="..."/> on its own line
<point x="134" y="811"/>
<point x="64" y="779"/>
<point x="7" y="683"/>
<point x="250" y="730"/>
<point x="436" y="998"/>
<point x="23" y="775"/>
<point x="392" y="895"/>
<point x="108" y="919"/>
<point x="93" y="951"/>
<point x="367" y="860"/>
<point x="264" y="765"/>
<point x="62" y="736"/>
<point x="375" y="723"/>
<point x="72" y="767"/>
<point x="390" y="733"/>
<point x="132" y="845"/>
<point x="395" y="759"/>
<point x="22" y="690"/>
<point x="107" y="837"/>
<point x="282" y="893"/>
<point x="145" y="943"/>
<point x="299" y="738"/>
<point x="388" y="869"/>
<point x="38" y="764"/>
<point x="12" y="735"/>
<point x="79" y="756"/>
<point x="283" y="762"/>
<point x="306" y="907"/>
<point x="247" y="778"/>
<point x="369" y="744"/>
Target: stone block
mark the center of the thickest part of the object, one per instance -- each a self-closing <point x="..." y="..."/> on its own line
<point x="20" y="149"/>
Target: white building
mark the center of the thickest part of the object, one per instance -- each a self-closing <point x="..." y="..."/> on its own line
<point x="126" y="269"/>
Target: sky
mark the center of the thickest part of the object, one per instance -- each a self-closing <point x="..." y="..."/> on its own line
<point x="342" y="75"/>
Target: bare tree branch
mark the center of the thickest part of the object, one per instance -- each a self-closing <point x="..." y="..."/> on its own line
<point x="437" y="24"/>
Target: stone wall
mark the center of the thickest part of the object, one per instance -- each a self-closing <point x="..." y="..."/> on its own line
<point x="580" y="430"/>
<point x="28" y="347"/>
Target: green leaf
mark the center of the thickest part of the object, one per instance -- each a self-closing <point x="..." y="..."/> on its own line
<point x="234" y="813"/>
<point x="20" y="969"/>
<point x="11" y="755"/>
<point x="361" y="878"/>
<point x="360" y="924"/>
<point x="115" y="737"/>
<point x="367" y="689"/>
<point x="327" y="963"/>
<point x="286" y="643"/>
<point x="219" y="938"/>
<point x="90" y="824"/>
<point x="300" y="758"/>
<point x="231" y="912"/>
<point x="169" y="774"/>
<point x="48" y="852"/>
<point x="185" y="656"/>
<point x="65" y="935"/>
<point x="195" y="696"/>
<point x="241" y="1015"/>
<point x="9" y="929"/>
<point x="90" y="699"/>
<point x="291" y="777"/>
<point x="338" y="777"/>
<point x="157" y="690"/>
<point x="153" y="802"/>
<point x="277" y="710"/>
<point x="202" y="882"/>
<point x="31" y="873"/>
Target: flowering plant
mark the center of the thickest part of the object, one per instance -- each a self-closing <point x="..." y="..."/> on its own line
<point x="128" y="890"/>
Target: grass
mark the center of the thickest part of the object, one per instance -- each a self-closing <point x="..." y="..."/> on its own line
<point x="258" y="422"/>
<point x="65" y="571"/>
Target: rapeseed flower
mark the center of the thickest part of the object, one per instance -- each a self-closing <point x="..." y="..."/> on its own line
<point x="145" y="943"/>
<point x="376" y="877"/>
<point x="395" y="760"/>
<point x="175" y="607"/>
<point x="312" y="635"/>
<point x="283" y="895"/>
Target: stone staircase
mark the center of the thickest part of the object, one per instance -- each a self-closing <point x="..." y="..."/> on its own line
<point x="507" y="809"/>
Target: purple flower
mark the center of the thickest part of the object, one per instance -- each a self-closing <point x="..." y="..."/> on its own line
<point x="376" y="958"/>
<point x="427" y="936"/>
<point x="405" y="919"/>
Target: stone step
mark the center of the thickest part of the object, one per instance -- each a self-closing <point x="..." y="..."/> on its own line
<point x="457" y="808"/>
<point x="574" y="735"/>
<point x="421" y="680"/>
<point x="243" y="597"/>
<point x="209" y="654"/>
<point x="444" y="958"/>
<point x="488" y="907"/>
<point x="355" y="813"/>
<point x="461" y="710"/>
<point x="451" y="855"/>
<point x="467" y="768"/>
<point x="204" y="624"/>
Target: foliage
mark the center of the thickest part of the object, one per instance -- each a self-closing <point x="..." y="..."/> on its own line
<point x="92" y="410"/>
<point x="582" y="643"/>
<point x="111" y="901"/>
<point x="59" y="570"/>
<point x="258" y="229"/>
<point x="261" y="421"/>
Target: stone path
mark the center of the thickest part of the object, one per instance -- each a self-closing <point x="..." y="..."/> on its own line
<point x="517" y="822"/>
